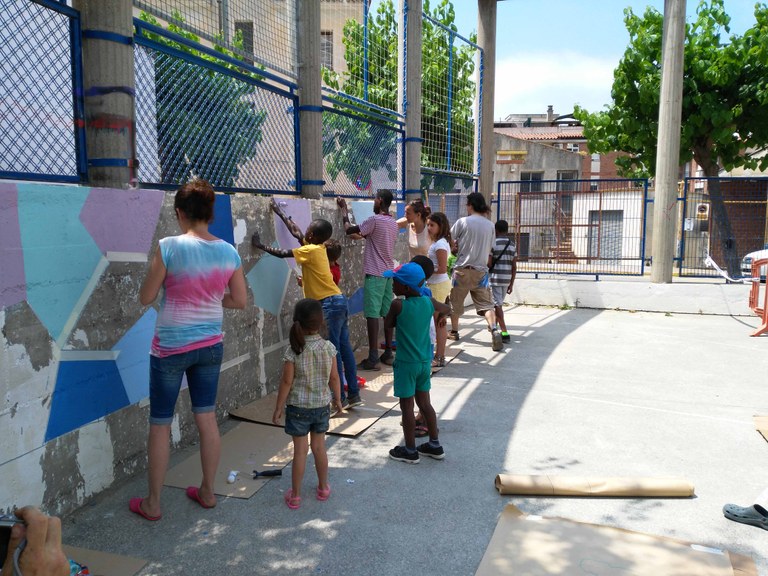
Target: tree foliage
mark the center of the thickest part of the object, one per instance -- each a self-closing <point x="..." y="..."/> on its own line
<point x="206" y="120"/>
<point x="724" y="106"/>
<point x="344" y="137"/>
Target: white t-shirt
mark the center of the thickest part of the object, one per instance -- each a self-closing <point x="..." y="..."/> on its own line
<point x="441" y="244"/>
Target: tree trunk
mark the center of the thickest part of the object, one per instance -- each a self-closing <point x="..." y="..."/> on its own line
<point x="721" y="229"/>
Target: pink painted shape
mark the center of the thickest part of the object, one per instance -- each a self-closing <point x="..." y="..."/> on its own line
<point x="13" y="286"/>
<point x="301" y="213"/>
<point x="122" y="220"/>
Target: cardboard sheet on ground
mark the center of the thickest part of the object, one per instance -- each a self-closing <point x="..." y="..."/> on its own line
<point x="377" y="401"/>
<point x="103" y="563"/>
<point x="245" y="448"/>
<point x="548" y="485"/>
<point x="537" y="546"/>
<point x="761" y="424"/>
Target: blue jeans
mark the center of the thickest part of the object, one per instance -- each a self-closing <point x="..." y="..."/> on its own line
<point x="202" y="367"/>
<point x="336" y="316"/>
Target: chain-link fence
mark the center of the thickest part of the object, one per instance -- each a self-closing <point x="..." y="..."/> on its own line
<point x="202" y="113"/>
<point x="360" y="156"/>
<point x="260" y="31"/>
<point x="449" y="90"/>
<point x="724" y="218"/>
<point x="41" y="114"/>
<point x="359" y="52"/>
<point x="447" y="193"/>
<point x="577" y="226"/>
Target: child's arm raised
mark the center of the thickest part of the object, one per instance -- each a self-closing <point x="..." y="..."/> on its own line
<point x="286" y="381"/>
<point x="289" y="223"/>
<point x="256" y="243"/>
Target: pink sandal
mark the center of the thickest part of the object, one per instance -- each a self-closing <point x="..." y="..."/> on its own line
<point x="323" y="495"/>
<point x="293" y="502"/>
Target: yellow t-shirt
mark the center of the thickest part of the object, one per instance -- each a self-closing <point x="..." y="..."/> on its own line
<point x="315" y="271"/>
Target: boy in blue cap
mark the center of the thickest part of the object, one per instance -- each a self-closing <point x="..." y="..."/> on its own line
<point x="413" y="362"/>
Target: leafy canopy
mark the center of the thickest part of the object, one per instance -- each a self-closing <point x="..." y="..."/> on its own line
<point x="725" y="94"/>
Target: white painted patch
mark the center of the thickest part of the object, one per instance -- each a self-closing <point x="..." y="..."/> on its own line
<point x="21" y="481"/>
<point x="126" y="257"/>
<point x="175" y="430"/>
<point x="262" y="369"/>
<point x="81" y="337"/>
<point x="82" y="301"/>
<point x="239" y="231"/>
<point x="235" y="361"/>
<point x="95" y="458"/>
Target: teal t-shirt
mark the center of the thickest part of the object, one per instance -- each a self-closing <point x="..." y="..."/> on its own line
<point x="413" y="344"/>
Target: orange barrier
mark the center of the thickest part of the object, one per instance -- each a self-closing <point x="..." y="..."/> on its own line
<point x="754" y="297"/>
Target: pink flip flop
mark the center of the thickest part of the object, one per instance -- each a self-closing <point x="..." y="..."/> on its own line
<point x="193" y="493"/>
<point x="293" y="502"/>
<point x="134" y="505"/>
<point x="323" y="495"/>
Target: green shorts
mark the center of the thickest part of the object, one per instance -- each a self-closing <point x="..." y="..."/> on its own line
<point x="411" y="377"/>
<point x="377" y="296"/>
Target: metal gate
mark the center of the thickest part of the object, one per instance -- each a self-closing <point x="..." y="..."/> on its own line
<point x="724" y="218"/>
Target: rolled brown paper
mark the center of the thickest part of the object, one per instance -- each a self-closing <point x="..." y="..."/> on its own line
<point x="546" y="485"/>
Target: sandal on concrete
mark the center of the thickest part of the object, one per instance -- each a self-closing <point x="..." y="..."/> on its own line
<point x="438" y="362"/>
<point x="323" y="494"/>
<point x="293" y="502"/>
<point x="746" y="515"/>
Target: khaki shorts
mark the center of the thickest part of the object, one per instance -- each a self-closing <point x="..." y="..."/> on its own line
<point x="473" y="282"/>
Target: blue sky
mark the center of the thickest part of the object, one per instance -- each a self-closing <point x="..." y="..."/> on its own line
<point x="563" y="52"/>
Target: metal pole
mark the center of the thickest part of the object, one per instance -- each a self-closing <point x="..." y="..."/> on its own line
<point x="668" y="147"/>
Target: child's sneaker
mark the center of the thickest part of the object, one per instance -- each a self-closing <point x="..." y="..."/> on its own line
<point x="353" y="401"/>
<point x="505" y="337"/>
<point x="402" y="454"/>
<point x="496" y="342"/>
<point x="435" y="452"/>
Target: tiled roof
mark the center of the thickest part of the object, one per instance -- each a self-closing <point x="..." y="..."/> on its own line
<point x="543" y="132"/>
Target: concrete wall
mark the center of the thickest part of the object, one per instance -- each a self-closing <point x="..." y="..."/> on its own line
<point x="75" y="340"/>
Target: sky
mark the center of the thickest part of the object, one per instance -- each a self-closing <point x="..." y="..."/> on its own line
<point x="563" y="52"/>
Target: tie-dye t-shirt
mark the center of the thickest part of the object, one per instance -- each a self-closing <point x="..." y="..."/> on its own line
<point x="198" y="272"/>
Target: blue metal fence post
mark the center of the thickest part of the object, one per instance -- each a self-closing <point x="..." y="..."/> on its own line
<point x="365" y="51"/>
<point x="78" y="106"/>
<point x="682" y="225"/>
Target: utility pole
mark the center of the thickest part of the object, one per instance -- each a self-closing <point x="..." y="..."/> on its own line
<point x="409" y="93"/>
<point x="484" y="138"/>
<point x="668" y="146"/>
<point x="310" y="100"/>
<point x="109" y="90"/>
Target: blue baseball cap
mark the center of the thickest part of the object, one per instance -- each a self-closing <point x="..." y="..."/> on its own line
<point x="410" y="274"/>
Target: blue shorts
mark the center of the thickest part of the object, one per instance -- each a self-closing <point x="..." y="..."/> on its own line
<point x="411" y="377"/>
<point x="302" y="421"/>
<point x="202" y="367"/>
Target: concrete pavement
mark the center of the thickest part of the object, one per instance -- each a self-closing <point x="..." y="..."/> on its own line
<point x="577" y="392"/>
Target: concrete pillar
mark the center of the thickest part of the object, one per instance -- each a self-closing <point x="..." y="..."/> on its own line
<point x="484" y="142"/>
<point x="409" y="92"/>
<point x="310" y="99"/>
<point x="109" y="90"/>
<point x="668" y="147"/>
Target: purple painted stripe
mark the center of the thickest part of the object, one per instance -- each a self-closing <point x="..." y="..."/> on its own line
<point x="13" y="288"/>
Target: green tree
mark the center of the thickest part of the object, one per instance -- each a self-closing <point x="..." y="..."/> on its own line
<point x="207" y="125"/>
<point x="725" y="94"/>
<point x="344" y="138"/>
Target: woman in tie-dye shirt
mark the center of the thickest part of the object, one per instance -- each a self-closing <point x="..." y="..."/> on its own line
<point x="200" y="275"/>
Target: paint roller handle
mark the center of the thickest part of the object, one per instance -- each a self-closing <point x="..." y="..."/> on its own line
<point x="267" y="473"/>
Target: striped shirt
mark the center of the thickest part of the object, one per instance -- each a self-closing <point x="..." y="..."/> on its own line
<point x="502" y="270"/>
<point x="197" y="274"/>
<point x="311" y="373"/>
<point x="380" y="231"/>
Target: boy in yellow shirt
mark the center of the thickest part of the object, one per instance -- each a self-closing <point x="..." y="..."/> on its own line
<point x="318" y="284"/>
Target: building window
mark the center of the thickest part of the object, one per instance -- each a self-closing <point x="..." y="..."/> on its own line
<point x="326" y="50"/>
<point x="562" y="180"/>
<point x="531" y="181"/>
<point x="245" y="27"/>
<point x="571" y="147"/>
